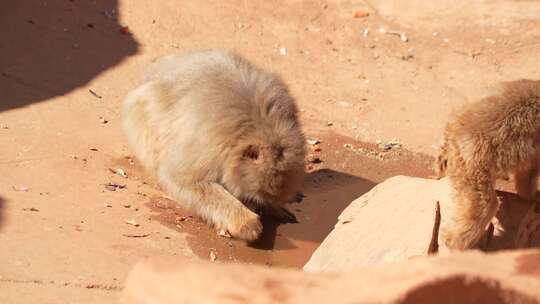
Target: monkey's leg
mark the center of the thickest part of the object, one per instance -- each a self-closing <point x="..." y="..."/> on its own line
<point x="475" y="203"/>
<point x="217" y="206"/>
<point x="526" y="181"/>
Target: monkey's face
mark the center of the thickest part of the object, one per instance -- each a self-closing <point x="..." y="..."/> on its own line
<point x="267" y="173"/>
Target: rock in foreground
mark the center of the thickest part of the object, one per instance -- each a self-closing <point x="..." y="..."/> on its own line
<point x="392" y="222"/>
<point x="395" y="220"/>
<point x="471" y="277"/>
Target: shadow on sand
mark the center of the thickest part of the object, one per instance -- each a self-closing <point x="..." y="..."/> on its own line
<point x="50" y="48"/>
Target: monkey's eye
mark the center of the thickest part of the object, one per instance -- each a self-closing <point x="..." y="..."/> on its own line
<point x="251" y="152"/>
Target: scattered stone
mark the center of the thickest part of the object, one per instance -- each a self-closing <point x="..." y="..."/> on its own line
<point x="124" y="30"/>
<point x="361" y="14"/>
<point x="407" y="57"/>
<point x="114" y="186"/>
<point x="102" y="287"/>
<point x="213" y="256"/>
<point x="224" y="233"/>
<point x="329" y="123"/>
<point x="402" y="36"/>
<point x="283" y="51"/>
<point x="21" y="188"/>
<point x="103" y="120"/>
<point x="31" y="209"/>
<point x="365" y="32"/>
<point x="107" y="205"/>
<point x="344" y="104"/>
<point x="347" y="146"/>
<point x="132" y="222"/>
<point x="136" y="235"/>
<point x="111" y="14"/>
<point x="182" y="218"/>
<point x="313" y="142"/>
<point x="119" y="171"/>
<point x="394" y="143"/>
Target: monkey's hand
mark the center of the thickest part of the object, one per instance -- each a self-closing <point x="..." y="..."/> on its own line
<point x="245" y="225"/>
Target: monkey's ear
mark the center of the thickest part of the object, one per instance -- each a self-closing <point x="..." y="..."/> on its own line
<point x="253" y="153"/>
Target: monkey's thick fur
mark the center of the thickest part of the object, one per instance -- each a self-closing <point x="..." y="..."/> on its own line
<point x="220" y="134"/>
<point x="483" y="141"/>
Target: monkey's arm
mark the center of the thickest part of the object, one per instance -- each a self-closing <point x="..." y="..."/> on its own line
<point x="214" y="204"/>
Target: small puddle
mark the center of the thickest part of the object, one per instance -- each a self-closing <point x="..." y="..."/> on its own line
<point x="344" y="174"/>
<point x="327" y="193"/>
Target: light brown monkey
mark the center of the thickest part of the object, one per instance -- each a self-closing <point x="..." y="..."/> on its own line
<point x="486" y="140"/>
<point x="221" y="135"/>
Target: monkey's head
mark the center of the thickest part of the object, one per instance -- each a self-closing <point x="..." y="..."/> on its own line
<point x="267" y="172"/>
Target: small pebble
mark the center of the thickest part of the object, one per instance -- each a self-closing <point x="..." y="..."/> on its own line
<point x="365" y="32"/>
<point x="213" y="256"/>
<point x="224" y="233"/>
<point x="21" y="188"/>
<point x="132" y="222"/>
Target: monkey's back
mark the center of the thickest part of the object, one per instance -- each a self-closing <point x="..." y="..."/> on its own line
<point x="501" y="129"/>
<point x="192" y="109"/>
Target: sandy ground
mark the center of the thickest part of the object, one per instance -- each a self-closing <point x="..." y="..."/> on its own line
<point x="66" y="65"/>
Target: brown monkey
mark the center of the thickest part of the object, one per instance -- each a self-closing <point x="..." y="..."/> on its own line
<point x="221" y="135"/>
<point x="483" y="141"/>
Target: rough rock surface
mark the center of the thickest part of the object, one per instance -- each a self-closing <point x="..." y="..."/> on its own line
<point x="394" y="222"/>
<point x="470" y="277"/>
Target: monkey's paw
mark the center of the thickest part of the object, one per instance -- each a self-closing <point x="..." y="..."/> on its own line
<point x="246" y="227"/>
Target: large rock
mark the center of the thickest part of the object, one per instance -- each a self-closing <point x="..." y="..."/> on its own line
<point x="470" y="277"/>
<point x="392" y="222"/>
<point x="395" y="220"/>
